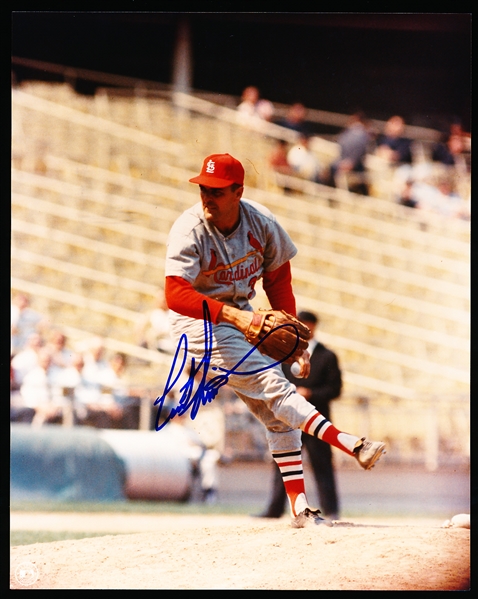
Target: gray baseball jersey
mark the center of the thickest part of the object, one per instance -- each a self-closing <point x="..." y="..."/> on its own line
<point x="227" y="268"/>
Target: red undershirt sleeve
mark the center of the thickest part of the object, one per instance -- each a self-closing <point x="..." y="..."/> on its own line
<point x="184" y="299"/>
<point x="277" y="285"/>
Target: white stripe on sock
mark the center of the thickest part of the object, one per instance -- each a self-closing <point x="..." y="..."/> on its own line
<point x="348" y="441"/>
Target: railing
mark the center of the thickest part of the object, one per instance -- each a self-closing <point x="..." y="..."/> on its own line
<point x="229" y="116"/>
<point x="407" y="224"/>
<point x="143" y="87"/>
<point x="95" y="123"/>
<point x="376" y="206"/>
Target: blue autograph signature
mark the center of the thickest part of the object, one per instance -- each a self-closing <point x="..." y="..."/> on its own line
<point x="207" y="389"/>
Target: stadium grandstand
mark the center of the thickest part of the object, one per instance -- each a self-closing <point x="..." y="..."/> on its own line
<point x="97" y="181"/>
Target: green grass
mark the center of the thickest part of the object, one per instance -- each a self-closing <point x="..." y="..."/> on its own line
<point x="128" y="507"/>
<point x="29" y="537"/>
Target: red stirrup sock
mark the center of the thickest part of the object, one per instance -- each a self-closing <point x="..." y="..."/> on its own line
<point x="318" y="426"/>
<point x="290" y="466"/>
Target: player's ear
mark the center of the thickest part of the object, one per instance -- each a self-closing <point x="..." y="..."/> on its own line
<point x="239" y="191"/>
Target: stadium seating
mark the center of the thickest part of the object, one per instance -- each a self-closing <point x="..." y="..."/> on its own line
<point x="98" y="181"/>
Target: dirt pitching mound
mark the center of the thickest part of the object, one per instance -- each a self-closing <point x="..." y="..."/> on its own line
<point x="241" y="552"/>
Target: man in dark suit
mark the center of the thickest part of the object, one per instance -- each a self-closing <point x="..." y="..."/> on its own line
<point x="322" y="386"/>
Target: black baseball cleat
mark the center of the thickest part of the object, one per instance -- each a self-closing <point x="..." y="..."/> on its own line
<point x="309" y="517"/>
<point x="369" y="452"/>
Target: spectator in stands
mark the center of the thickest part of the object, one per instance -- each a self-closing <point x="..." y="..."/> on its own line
<point x="303" y="161"/>
<point x="451" y="152"/>
<point x="18" y="412"/>
<point x="41" y="391"/>
<point x="95" y="362"/>
<point x="153" y="327"/>
<point x="396" y="149"/>
<point x="295" y="119"/>
<point x="253" y="107"/>
<point x="126" y="395"/>
<point x="437" y="197"/>
<point x="101" y="409"/>
<point x="105" y="398"/>
<point x="456" y="128"/>
<point x="354" y="142"/>
<point x="26" y="359"/>
<point x="57" y="343"/>
<point x="392" y="145"/>
<point x="452" y="204"/>
<point x="24" y="322"/>
<point x="279" y="163"/>
<point x="452" y="128"/>
<point x="81" y="391"/>
<point x="278" y="158"/>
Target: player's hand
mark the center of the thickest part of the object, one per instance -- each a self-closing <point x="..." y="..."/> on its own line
<point x="304" y="362"/>
<point x="241" y="319"/>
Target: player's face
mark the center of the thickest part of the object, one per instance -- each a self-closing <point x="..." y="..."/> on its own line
<point x="221" y="206"/>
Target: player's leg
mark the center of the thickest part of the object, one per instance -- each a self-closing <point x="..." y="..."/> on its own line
<point x="290" y="407"/>
<point x="285" y="447"/>
<point x="277" y="498"/>
<point x="321" y="461"/>
<point x="367" y="453"/>
<point x="294" y="410"/>
<point x="292" y="473"/>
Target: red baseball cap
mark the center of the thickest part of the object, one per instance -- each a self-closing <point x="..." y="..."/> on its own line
<point x="220" y="170"/>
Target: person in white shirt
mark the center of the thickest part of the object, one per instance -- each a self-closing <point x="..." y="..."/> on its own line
<point x="58" y="343"/>
<point x="153" y="328"/>
<point x="24" y="322"/>
<point x="81" y="391"/>
<point x="253" y="108"/>
<point x="26" y="359"/>
<point x="303" y="161"/>
<point x="95" y="361"/>
<point x="41" y="390"/>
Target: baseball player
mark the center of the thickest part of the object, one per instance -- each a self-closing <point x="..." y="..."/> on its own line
<point x="217" y="251"/>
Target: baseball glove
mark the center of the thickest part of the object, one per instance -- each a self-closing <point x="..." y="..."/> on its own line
<point x="278" y="335"/>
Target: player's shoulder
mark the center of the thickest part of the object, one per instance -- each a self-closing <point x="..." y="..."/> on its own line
<point x="255" y="208"/>
<point x="188" y="220"/>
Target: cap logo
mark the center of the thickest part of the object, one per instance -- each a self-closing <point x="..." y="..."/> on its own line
<point x="210" y="166"/>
